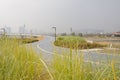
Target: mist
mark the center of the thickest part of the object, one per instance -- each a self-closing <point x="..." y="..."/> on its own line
<point x="42" y="15"/>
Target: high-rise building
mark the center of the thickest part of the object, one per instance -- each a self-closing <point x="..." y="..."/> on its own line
<point x="22" y="30"/>
<point x="7" y="30"/>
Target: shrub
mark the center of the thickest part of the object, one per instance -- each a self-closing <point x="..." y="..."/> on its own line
<point x="80" y="34"/>
<point x="73" y="34"/>
<point x="63" y="34"/>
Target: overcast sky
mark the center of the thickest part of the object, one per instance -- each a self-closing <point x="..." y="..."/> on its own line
<point x="43" y="14"/>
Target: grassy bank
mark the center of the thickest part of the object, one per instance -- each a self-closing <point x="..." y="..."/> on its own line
<point x="75" y="42"/>
<point x="24" y="40"/>
<point x="28" y="40"/>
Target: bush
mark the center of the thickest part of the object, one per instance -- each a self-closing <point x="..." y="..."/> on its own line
<point x="63" y="34"/>
<point x="80" y="34"/>
<point x="73" y="34"/>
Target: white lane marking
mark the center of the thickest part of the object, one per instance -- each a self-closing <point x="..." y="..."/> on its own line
<point x="48" y="51"/>
<point x="44" y="50"/>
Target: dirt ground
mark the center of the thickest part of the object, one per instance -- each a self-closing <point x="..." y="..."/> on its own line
<point x="113" y="43"/>
<point x="40" y="38"/>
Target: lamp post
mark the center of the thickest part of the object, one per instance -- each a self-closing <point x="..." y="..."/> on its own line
<point x="71" y="30"/>
<point x="55" y="32"/>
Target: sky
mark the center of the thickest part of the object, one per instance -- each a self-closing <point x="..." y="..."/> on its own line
<point x="42" y="15"/>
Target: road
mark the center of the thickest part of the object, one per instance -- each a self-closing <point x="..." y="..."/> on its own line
<point x="47" y="49"/>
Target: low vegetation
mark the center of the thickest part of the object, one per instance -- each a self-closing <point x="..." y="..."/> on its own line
<point x="28" y="40"/>
<point x="75" y="42"/>
<point x="24" y="40"/>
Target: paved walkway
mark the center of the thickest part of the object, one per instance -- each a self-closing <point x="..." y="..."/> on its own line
<point x="47" y="49"/>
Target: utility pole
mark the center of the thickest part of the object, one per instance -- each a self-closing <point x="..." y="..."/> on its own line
<point x="31" y="33"/>
<point x="55" y="32"/>
<point x="24" y="29"/>
<point x="71" y="30"/>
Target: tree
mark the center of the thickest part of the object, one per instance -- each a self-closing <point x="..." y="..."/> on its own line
<point x="80" y="34"/>
<point x="63" y="34"/>
<point x="73" y="33"/>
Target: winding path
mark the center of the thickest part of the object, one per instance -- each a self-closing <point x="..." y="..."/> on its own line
<point x="46" y="48"/>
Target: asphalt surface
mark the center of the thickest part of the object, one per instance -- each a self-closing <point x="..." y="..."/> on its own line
<point x="47" y="49"/>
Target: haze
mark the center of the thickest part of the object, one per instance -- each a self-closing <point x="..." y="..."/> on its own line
<point x="41" y="15"/>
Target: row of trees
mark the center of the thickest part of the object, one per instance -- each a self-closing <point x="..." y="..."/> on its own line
<point x="87" y="35"/>
<point x="72" y="34"/>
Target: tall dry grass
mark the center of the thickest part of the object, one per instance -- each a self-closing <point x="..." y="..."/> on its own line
<point x="71" y="66"/>
<point x="17" y="62"/>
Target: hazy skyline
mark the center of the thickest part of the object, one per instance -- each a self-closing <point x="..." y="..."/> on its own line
<point x="64" y="14"/>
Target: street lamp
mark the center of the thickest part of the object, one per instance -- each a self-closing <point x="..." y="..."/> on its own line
<point x="55" y="32"/>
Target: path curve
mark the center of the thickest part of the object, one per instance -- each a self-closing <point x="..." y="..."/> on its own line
<point x="46" y="46"/>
